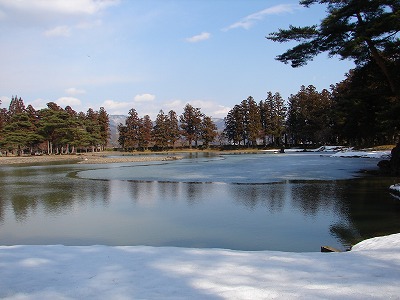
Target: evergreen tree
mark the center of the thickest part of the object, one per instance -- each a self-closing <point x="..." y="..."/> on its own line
<point x="234" y="126"/>
<point x="132" y="129"/>
<point x="17" y="106"/>
<point x="253" y="121"/>
<point x="52" y="125"/>
<point x="309" y="116"/>
<point x="145" y="132"/>
<point x="273" y="118"/>
<point x="363" y="110"/>
<point x="122" y="135"/>
<point x="190" y="123"/>
<point x="3" y="119"/>
<point x="279" y="118"/>
<point x="104" y="123"/>
<point x="173" y="128"/>
<point x="208" y="131"/>
<point x="364" y="31"/>
<point x="93" y="128"/>
<point x="19" y="132"/>
<point x="82" y="138"/>
<point x="161" y="131"/>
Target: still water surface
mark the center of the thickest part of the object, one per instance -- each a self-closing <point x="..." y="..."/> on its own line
<point x="287" y="202"/>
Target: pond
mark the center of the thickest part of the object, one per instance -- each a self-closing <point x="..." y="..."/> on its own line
<point x="287" y="202"/>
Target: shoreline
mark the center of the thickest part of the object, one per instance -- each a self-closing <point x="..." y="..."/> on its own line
<point x="86" y="158"/>
<point x="106" y="157"/>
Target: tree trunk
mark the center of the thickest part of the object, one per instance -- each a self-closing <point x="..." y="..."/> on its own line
<point x="395" y="160"/>
<point x="380" y="61"/>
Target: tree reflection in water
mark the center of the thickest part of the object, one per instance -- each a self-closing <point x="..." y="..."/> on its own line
<point x="52" y="204"/>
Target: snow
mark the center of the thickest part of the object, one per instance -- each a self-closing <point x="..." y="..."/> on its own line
<point x="395" y="190"/>
<point x="370" y="270"/>
<point x="395" y="187"/>
<point x="340" y="151"/>
<point x="363" y="154"/>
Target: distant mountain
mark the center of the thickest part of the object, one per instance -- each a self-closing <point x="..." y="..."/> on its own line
<point x="220" y="123"/>
<point x="115" y="120"/>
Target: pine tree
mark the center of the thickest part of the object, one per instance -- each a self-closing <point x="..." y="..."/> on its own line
<point x="3" y="120"/>
<point x="309" y="116"/>
<point x="253" y="122"/>
<point x="132" y="132"/>
<point x="17" y="106"/>
<point x="273" y="115"/>
<point x="93" y="127"/>
<point x="145" y="132"/>
<point x="234" y="125"/>
<point x="208" y="131"/>
<point x="364" y="31"/>
<point x="19" y="132"/>
<point x="173" y="128"/>
<point x="104" y="123"/>
<point x="364" y="112"/>
<point x="53" y="125"/>
<point x="190" y="123"/>
<point x="161" y="131"/>
<point x="122" y="135"/>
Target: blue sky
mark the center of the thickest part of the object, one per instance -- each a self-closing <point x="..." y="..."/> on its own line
<point x="153" y="54"/>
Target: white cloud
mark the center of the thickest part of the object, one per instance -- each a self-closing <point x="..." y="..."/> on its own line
<point x="121" y="107"/>
<point x="116" y="105"/>
<point x="71" y="101"/>
<point x="59" y="31"/>
<point x="4" y="101"/>
<point x="210" y="108"/>
<point x="175" y="105"/>
<point x="248" y="21"/>
<point x="198" y="38"/>
<point x="65" y="7"/>
<point x="74" y="91"/>
<point x="40" y="103"/>
<point x="51" y="14"/>
<point x="221" y="111"/>
<point x="144" y="98"/>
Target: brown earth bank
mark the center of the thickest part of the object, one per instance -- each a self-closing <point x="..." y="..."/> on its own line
<point x="87" y="158"/>
<point x="107" y="157"/>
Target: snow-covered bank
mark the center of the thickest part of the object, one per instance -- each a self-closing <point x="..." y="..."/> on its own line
<point x="363" y="154"/>
<point x="341" y="151"/>
<point x="370" y="270"/>
<point x="395" y="190"/>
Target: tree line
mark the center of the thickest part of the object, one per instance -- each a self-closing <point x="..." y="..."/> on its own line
<point x="358" y="111"/>
<point x="52" y="130"/>
<point x="192" y="126"/>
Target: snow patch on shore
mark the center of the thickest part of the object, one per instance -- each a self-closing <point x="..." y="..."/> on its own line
<point x="370" y="270"/>
<point x="363" y="154"/>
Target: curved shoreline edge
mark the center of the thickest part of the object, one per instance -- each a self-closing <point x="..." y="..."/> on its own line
<point x="87" y="158"/>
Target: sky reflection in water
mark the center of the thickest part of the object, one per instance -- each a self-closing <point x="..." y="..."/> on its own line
<point x="174" y="203"/>
<point x="261" y="168"/>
